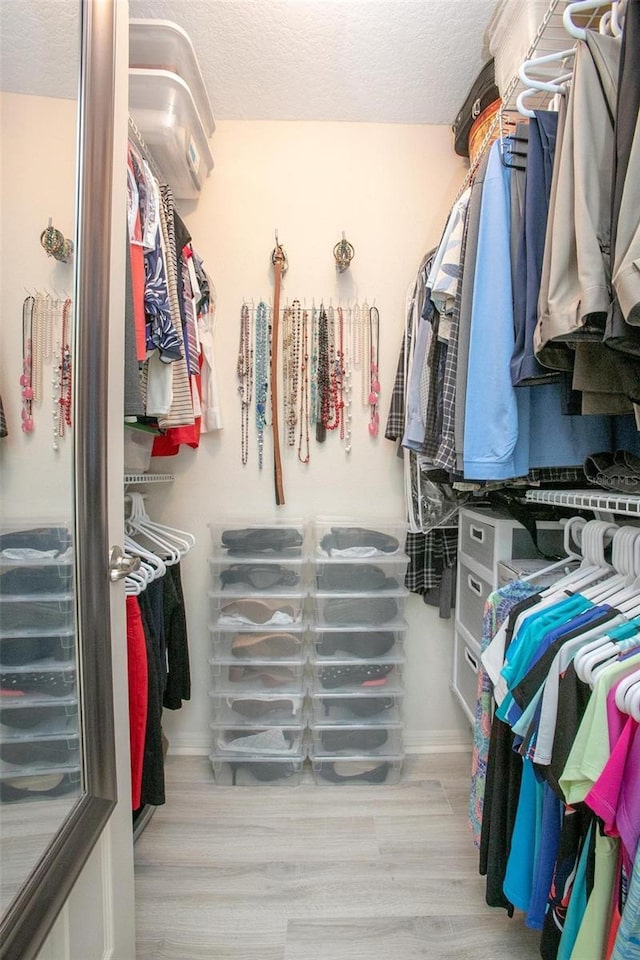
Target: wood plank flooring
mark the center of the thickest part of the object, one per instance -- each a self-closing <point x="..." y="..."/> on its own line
<point x="318" y="873"/>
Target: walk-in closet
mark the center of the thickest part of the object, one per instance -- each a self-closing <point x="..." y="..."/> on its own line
<point x="320" y="472"/>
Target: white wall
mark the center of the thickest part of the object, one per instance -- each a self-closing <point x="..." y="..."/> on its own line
<point x="389" y="187"/>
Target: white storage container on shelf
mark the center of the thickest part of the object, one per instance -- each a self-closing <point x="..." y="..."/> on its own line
<point x="235" y="608"/>
<point x="163" y="45"/>
<point x="240" y="770"/>
<point x="358" y="642"/>
<point x="233" y="707"/>
<point x="346" y="708"/>
<point x="25" y="784"/>
<point x="356" y="769"/>
<point x="43" y="752"/>
<point x="357" y="539"/>
<point x="33" y="716"/>
<point x="252" y="642"/>
<point x="163" y="109"/>
<point x="46" y="678"/>
<point x="364" y="608"/>
<point x="257" y="676"/>
<point x="262" y="740"/>
<point x="241" y="539"/>
<point x="349" y="574"/>
<point x="262" y="574"/>
<point x="367" y="739"/>
<point x="25" y="615"/>
<point x="37" y="645"/>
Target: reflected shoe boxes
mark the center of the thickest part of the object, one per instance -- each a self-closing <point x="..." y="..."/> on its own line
<point x="39" y="723"/>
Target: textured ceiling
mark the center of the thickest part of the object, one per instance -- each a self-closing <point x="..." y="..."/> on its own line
<point x="404" y="61"/>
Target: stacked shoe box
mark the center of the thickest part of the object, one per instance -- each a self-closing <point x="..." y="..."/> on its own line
<point x="357" y="652"/>
<point x="259" y="652"/>
<point x="39" y="727"/>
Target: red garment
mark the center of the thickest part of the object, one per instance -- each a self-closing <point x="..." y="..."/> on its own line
<point x="137" y="664"/>
<point x="168" y="444"/>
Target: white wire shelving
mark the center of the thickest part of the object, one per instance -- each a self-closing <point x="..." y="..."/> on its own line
<point x="624" y="504"/>
<point x="148" y="477"/>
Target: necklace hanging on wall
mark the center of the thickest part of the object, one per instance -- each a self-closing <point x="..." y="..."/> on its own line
<point x="340" y="372"/>
<point x="374" y="382"/>
<point x="26" y="381"/>
<point x="244" y="372"/>
<point x="62" y="381"/>
<point x="323" y="376"/>
<point x="331" y="412"/>
<point x="345" y="430"/>
<point x="294" y="369"/>
<point x="261" y="374"/>
<point x="365" y="346"/>
<point x="303" y="417"/>
<point x="313" y="413"/>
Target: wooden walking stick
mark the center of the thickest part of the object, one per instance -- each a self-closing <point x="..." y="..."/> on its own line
<point x="279" y="261"/>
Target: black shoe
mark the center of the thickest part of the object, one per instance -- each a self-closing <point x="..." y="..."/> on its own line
<point x="370" y="739"/>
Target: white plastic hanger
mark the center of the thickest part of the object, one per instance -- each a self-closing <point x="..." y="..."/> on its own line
<point x="594" y="565"/>
<point x="625" y="559"/>
<point x="170" y="538"/>
<point x="581" y="6"/>
<point x="572" y="529"/>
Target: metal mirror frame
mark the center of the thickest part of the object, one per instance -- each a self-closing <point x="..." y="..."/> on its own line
<point x="28" y="920"/>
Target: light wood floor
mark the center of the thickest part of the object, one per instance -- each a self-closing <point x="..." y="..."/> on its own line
<point x="318" y="873"/>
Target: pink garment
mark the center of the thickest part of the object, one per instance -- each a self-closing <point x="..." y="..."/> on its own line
<point x="615" y="796"/>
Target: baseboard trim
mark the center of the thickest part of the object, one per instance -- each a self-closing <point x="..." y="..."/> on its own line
<point x="415" y="741"/>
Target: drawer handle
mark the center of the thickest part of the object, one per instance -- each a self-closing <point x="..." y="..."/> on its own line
<point x="476" y="533"/>
<point x="474" y="585"/>
<point x="471" y="660"/>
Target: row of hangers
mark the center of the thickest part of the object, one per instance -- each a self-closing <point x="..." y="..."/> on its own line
<point x="157" y="545"/>
<point x="611" y="23"/>
<point x="615" y="582"/>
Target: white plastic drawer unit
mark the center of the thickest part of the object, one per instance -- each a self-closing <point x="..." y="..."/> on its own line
<point x="473" y="591"/>
<point x="466" y="666"/>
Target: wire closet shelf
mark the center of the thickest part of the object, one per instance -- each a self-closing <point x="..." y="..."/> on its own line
<point x="625" y="504"/>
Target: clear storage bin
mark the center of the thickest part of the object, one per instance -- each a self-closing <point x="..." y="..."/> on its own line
<point x="250" y="607"/>
<point x="349" y="675"/>
<point x="358" y="539"/>
<point x="239" y="770"/>
<point x="50" y="537"/>
<point x="36" y="646"/>
<point x="261" y="575"/>
<point x="24" y="615"/>
<point x="46" y="679"/>
<point x="257" y="539"/>
<point x="251" y="676"/>
<point x="366" y="739"/>
<point x="351" y="707"/>
<point x="358" y="642"/>
<point x="31" y="717"/>
<point x="250" y="741"/>
<point x="252" y="642"/>
<point x="273" y="709"/>
<point x="33" y="784"/>
<point x="372" y="608"/>
<point x="357" y="769"/>
<point x="40" y="752"/>
<point x="36" y="576"/>
<point x="355" y="575"/>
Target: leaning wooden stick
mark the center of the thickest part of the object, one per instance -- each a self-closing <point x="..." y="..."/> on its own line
<point x="279" y="260"/>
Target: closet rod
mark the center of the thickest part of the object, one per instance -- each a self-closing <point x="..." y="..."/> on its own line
<point x="140" y="144"/>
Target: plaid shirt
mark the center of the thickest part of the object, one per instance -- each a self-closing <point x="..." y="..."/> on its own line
<point x="429" y="554"/>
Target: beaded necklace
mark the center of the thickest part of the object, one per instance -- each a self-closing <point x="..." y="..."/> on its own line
<point x="287" y="351"/>
<point x="356" y="336"/>
<point x="26" y="381"/>
<point x="340" y="371"/>
<point x="322" y="377"/>
<point x="295" y="324"/>
<point x="365" y="345"/>
<point x="313" y="414"/>
<point x="331" y="415"/>
<point x="348" y="378"/>
<point x="304" y="392"/>
<point x="374" y="383"/>
<point x="244" y="372"/>
<point x="62" y="381"/>
<point x="38" y="333"/>
<point x="261" y="374"/>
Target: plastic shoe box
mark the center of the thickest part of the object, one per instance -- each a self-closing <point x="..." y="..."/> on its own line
<point x="23" y="615"/>
<point x="252" y="607"/>
<point x="251" y="539"/>
<point x="366" y="739"/>
<point x="358" y="642"/>
<point x="372" y="608"/>
<point x="260" y="574"/>
<point x="252" y="642"/>
<point x="38" y="645"/>
<point x="32" y="719"/>
<point x="357" y="769"/>
<point x="260" y="740"/>
<point x="358" y="539"/>
<point x="273" y="709"/>
<point x="41" y="752"/>
<point x="253" y="676"/>
<point x="31" y="784"/>
<point x="349" y="575"/>
<point x="384" y="674"/>
<point x="38" y="576"/>
<point x="342" y="708"/>
<point x="51" y="537"/>
<point x="240" y="770"/>
<point x="47" y="678"/>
